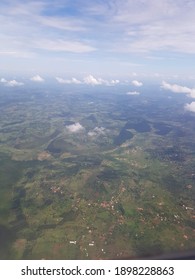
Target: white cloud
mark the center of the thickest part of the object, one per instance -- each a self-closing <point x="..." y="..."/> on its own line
<point x="60" y="80"/>
<point x="91" y="80"/>
<point x="72" y="81"/>
<point x="37" y="78"/>
<point x="92" y="134"/>
<point x="3" y="80"/>
<point x="133" y="93"/>
<point x="75" y="81"/>
<point x="12" y="83"/>
<point x="97" y="131"/>
<point x="190" y="107"/>
<point x="178" y="89"/>
<point x="114" y="82"/>
<point x="137" y="83"/>
<point x="74" y="128"/>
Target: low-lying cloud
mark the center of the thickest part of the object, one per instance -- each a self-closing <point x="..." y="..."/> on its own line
<point x="190" y="107"/>
<point x="137" y="83"/>
<point x="96" y="131"/>
<point x="114" y="82"/>
<point x="178" y="89"/>
<point x="88" y="80"/>
<point x="11" y="83"/>
<point x="181" y="89"/>
<point x="133" y="93"/>
<point x="37" y="78"/>
<point x="3" y="80"/>
<point x="91" y="80"/>
<point x="71" y="81"/>
<point x="74" y="128"/>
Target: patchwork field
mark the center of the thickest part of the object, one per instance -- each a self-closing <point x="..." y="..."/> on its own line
<point x="95" y="175"/>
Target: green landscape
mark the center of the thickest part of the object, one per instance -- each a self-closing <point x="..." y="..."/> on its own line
<point x="89" y="173"/>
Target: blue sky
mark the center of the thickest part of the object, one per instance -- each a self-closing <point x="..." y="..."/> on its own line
<point x="105" y="38"/>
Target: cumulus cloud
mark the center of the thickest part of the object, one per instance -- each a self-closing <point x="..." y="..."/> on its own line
<point x="3" y="80"/>
<point x="190" y="107"/>
<point x="178" y="89"/>
<point x="74" y="128"/>
<point x="88" y="80"/>
<point x="71" y="81"/>
<point x="75" y="81"/>
<point x="133" y="93"/>
<point x="14" y="83"/>
<point x="91" y="80"/>
<point x="37" y="78"/>
<point x="97" y="131"/>
<point x="11" y="83"/>
<point x="60" y="80"/>
<point x="114" y="82"/>
<point x="137" y="83"/>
